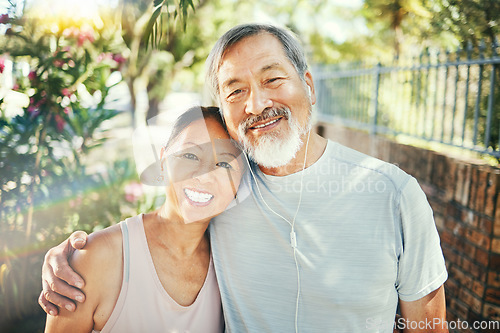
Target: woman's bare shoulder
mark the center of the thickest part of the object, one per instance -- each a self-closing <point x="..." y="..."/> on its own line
<point x="100" y="264"/>
<point x="102" y="246"/>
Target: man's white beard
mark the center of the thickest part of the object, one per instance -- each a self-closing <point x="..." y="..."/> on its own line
<point x="275" y="149"/>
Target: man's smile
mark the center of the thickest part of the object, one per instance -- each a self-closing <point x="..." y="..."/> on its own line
<point x="265" y="125"/>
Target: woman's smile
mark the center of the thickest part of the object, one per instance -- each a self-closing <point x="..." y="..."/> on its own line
<point x="198" y="198"/>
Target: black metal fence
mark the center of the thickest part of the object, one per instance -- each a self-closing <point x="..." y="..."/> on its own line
<point x="450" y="97"/>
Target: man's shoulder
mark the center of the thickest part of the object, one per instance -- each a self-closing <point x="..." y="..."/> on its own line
<point x="373" y="166"/>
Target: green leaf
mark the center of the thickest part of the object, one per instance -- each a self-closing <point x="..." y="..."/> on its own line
<point x="149" y="27"/>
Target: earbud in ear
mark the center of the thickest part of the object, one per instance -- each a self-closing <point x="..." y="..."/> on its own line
<point x="309" y="90"/>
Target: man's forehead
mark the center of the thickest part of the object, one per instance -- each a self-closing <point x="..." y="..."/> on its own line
<point x="228" y="76"/>
<point x="267" y="56"/>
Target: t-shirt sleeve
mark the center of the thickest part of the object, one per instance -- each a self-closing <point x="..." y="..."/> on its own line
<point x="421" y="268"/>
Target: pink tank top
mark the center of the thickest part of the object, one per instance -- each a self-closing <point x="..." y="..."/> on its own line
<point x="143" y="304"/>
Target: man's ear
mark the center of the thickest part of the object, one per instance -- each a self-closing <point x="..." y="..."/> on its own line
<point x="309" y="82"/>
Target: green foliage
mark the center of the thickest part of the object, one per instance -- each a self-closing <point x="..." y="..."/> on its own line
<point x="46" y="188"/>
<point x="173" y="10"/>
<point x="466" y="20"/>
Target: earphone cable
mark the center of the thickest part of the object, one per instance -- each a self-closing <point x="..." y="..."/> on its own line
<point x="293" y="240"/>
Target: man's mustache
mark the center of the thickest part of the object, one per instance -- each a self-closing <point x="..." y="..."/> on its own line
<point x="268" y="113"/>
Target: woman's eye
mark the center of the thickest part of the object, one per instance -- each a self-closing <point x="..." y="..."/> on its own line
<point x="190" y="156"/>
<point x="224" y="165"/>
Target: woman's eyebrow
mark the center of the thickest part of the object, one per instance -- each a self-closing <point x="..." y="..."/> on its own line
<point x="229" y="154"/>
<point x="189" y="143"/>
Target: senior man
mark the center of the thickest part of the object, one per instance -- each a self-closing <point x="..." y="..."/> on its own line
<point x="329" y="240"/>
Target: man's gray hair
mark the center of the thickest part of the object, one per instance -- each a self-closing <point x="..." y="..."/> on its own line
<point x="291" y="46"/>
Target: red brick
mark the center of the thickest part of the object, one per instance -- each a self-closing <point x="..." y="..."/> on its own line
<point x="450" y="256"/>
<point x="495" y="245"/>
<point x="449" y="223"/>
<point x="486" y="225"/>
<point x="495" y="262"/>
<point x="450" y="315"/>
<point x="492" y="295"/>
<point x="451" y="287"/>
<point x="481" y="190"/>
<point x="463" y="247"/>
<point x="478" y="288"/>
<point x="467" y="185"/>
<point x="459" y="276"/>
<point x="446" y="237"/>
<point x="479" y="272"/>
<point x="453" y="211"/>
<point x="462" y="310"/>
<point x="494" y="279"/>
<point x="439" y="222"/>
<point x="450" y="179"/>
<point x="469" y="218"/>
<point x="478" y="238"/>
<point x="492" y="192"/>
<point x="491" y="311"/>
<point x="459" y="182"/>
<point x="482" y="257"/>
<point x="496" y="225"/>
<point x="473" y="187"/>
<point x="475" y="304"/>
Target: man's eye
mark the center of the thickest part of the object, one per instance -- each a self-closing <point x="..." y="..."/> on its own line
<point x="224" y="165"/>
<point x="274" y="80"/>
<point x="190" y="156"/>
<point x="235" y="92"/>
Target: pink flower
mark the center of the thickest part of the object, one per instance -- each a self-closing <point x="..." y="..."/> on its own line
<point x="58" y="63"/>
<point x="104" y="56"/>
<point x="85" y="35"/>
<point x="4" y="18"/>
<point x="2" y="65"/>
<point x="33" y="111"/>
<point x="119" y="58"/>
<point x="32" y="76"/>
<point x="71" y="32"/>
<point x="59" y="123"/>
<point x="133" y="191"/>
<point x="66" y="92"/>
<point x="15" y="87"/>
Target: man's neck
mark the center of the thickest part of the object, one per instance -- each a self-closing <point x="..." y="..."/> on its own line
<point x="315" y="149"/>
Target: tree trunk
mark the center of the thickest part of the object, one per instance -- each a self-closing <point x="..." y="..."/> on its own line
<point x="153" y="110"/>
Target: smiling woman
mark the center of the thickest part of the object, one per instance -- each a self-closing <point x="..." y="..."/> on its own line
<point x="154" y="272"/>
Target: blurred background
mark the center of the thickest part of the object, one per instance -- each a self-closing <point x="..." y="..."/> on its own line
<point x="76" y="78"/>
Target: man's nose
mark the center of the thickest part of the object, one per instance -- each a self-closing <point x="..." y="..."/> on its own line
<point x="258" y="101"/>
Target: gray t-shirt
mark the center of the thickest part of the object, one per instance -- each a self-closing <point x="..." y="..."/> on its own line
<point x="365" y="237"/>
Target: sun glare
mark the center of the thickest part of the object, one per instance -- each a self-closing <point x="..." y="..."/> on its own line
<point x="61" y="14"/>
<point x="76" y="9"/>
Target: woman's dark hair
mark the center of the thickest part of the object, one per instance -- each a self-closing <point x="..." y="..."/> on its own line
<point x="192" y="114"/>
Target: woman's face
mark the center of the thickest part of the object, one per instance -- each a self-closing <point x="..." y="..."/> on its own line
<point x="204" y="169"/>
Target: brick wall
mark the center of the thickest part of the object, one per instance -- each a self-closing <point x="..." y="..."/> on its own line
<point x="466" y="203"/>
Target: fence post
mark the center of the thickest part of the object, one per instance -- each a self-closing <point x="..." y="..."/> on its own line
<point x="375" y="98"/>
<point x="491" y="98"/>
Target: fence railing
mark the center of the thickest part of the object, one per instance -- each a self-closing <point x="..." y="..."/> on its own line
<point x="450" y="97"/>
